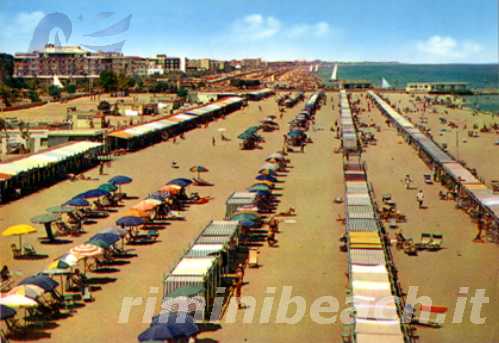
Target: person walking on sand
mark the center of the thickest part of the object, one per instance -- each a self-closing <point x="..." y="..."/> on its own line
<point x="213" y="141"/>
<point x="239" y="285"/>
<point x="302" y="147"/>
<point x="407" y="181"/>
<point x="271" y="241"/>
<point x="420" y="198"/>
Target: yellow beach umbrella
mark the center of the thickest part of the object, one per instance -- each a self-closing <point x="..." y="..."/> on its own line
<point x="15" y="301"/>
<point x="19" y="230"/>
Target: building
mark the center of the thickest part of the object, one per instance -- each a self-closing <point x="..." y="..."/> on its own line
<point x="74" y="62"/>
<point x="437" y="87"/>
<point x="251" y="63"/>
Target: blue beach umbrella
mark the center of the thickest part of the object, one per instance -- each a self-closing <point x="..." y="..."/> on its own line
<point x="182" y="182"/>
<point x="104" y="240"/>
<point x="270" y="178"/>
<point x="120" y="180"/>
<point x="130" y="221"/>
<point x="93" y="193"/>
<point x="79" y="202"/>
<point x="170" y="325"/>
<point x="6" y="312"/>
<point x="41" y="281"/>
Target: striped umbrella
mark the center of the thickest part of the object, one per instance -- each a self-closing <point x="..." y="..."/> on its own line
<point x="29" y="291"/>
<point x="155" y="202"/>
<point x="85" y="251"/>
<point x="15" y="301"/>
<point x="172" y="189"/>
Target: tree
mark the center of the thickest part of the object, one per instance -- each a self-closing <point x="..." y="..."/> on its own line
<point x="33" y="96"/>
<point x="104" y="107"/>
<point x="182" y="92"/>
<point x="54" y="91"/>
<point x="71" y="88"/>
<point x="108" y="80"/>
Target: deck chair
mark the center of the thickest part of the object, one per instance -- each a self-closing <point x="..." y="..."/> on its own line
<point x="253" y="258"/>
<point x="425" y="241"/>
<point x="29" y="250"/>
<point x="16" y="252"/>
<point x="436" y="242"/>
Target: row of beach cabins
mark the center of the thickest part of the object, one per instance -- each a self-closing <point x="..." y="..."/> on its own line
<point x="471" y="193"/>
<point x="376" y="297"/>
<point x="28" y="174"/>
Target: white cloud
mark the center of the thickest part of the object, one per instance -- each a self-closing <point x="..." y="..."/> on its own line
<point x="307" y="30"/>
<point x="447" y="48"/>
<point x="256" y="26"/>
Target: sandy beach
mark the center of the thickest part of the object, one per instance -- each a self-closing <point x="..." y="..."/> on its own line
<point x="458" y="143"/>
<point x="439" y="275"/>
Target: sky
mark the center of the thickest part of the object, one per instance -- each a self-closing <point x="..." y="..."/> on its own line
<point x="413" y="31"/>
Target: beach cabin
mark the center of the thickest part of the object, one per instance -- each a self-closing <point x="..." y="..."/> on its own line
<point x="438" y="87"/>
<point x="239" y="199"/>
<point x="202" y="272"/>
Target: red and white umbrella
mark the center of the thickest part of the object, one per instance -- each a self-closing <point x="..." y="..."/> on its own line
<point x="86" y="250"/>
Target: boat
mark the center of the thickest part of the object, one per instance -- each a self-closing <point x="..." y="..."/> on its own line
<point x="334" y="73"/>
<point x="385" y="84"/>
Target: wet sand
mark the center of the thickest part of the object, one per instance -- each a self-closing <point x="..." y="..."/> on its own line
<point x="458" y="143"/>
<point x="462" y="263"/>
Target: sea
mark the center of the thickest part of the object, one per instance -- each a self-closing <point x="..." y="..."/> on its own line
<point x="480" y="77"/>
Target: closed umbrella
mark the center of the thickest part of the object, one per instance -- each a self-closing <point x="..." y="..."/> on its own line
<point x="6" y="312"/>
<point x="20" y="231"/>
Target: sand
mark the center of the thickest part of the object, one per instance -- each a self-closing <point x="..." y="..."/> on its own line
<point x="230" y="170"/>
<point x="458" y="143"/>
<point x="307" y="258"/>
<point x="461" y="263"/>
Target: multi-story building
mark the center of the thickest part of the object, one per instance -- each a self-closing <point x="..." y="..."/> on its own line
<point x="75" y="62"/>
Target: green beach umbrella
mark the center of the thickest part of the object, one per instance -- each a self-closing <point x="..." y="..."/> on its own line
<point x="245" y="217"/>
<point x="61" y="209"/>
<point x="45" y="218"/>
<point x="108" y="187"/>
<point x="259" y="187"/>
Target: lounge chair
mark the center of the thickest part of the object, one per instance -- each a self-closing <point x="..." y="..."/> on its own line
<point x="29" y="250"/>
<point x="436" y="242"/>
<point x="425" y="241"/>
<point x="253" y="258"/>
<point x="16" y="252"/>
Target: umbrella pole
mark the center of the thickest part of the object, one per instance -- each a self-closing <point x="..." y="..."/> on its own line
<point x="21" y="248"/>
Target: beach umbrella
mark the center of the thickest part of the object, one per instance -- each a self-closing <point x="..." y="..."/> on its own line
<point x="77" y="202"/>
<point x="155" y="202"/>
<point x="168" y="329"/>
<point x="28" y="291"/>
<point x="108" y="187"/>
<point x="41" y="281"/>
<point x="182" y="303"/>
<point x="269" y="166"/>
<point x="245" y="217"/>
<point x="172" y="189"/>
<point x="247" y="135"/>
<point x="249" y="224"/>
<point x="135" y="212"/>
<point x="67" y="259"/>
<point x="17" y="301"/>
<point x="296" y="134"/>
<point x="262" y="177"/>
<point x="247" y="209"/>
<point x="116" y="230"/>
<point x="198" y="170"/>
<point x="259" y="188"/>
<point x="6" y="312"/>
<point x="144" y="206"/>
<point x="46" y="219"/>
<point x="182" y="182"/>
<point x="120" y="180"/>
<point x="261" y="193"/>
<point x="104" y="240"/>
<point x="266" y="183"/>
<point x="93" y="193"/>
<point x="176" y="317"/>
<point x="158" y="195"/>
<point x="268" y="172"/>
<point x="253" y="129"/>
<point x="19" y="230"/>
<point x="85" y="251"/>
<point x="60" y="209"/>
<point x="130" y="221"/>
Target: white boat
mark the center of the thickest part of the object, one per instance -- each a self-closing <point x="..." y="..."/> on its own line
<point x="385" y="84"/>
<point x="334" y="73"/>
